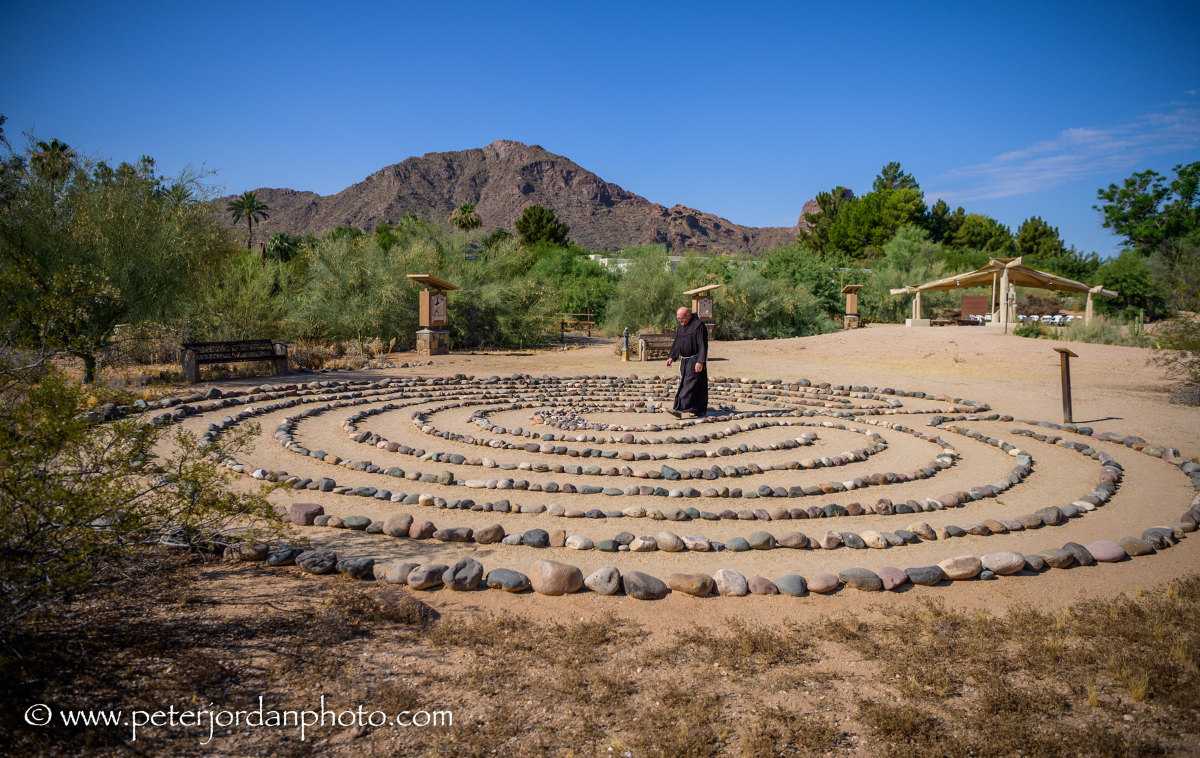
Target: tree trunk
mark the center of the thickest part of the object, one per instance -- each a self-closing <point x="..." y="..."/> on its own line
<point x="249" y="232"/>
<point x="89" y="367"/>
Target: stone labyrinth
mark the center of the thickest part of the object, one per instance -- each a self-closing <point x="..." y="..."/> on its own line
<point x="572" y="483"/>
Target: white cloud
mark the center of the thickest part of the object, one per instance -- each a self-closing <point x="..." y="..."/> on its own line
<point x="1074" y="154"/>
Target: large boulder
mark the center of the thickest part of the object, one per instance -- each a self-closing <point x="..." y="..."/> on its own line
<point x="317" y="561"/>
<point x="961" y="567"/>
<point x="554" y="578"/>
<point x="643" y="586"/>
<point x="730" y="582"/>
<point x="463" y="575"/>
<point x="604" y="581"/>
<point x="697" y="585"/>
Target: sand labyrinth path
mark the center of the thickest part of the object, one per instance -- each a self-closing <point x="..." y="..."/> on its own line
<point x="791" y="487"/>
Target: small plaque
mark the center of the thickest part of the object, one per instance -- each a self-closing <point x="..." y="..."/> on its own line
<point x="437" y="309"/>
<point x="704" y="308"/>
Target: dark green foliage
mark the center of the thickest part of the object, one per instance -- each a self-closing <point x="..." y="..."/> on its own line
<point x="496" y="238"/>
<point x="465" y="218"/>
<point x="1150" y="213"/>
<point x="1130" y="275"/>
<point x="248" y="206"/>
<point x="538" y="224"/>
<point x="283" y="247"/>
<point x="867" y="223"/>
<point x="979" y="231"/>
<point x="78" y="256"/>
<point x="76" y="498"/>
<point x="343" y="233"/>
<point x="822" y="277"/>
<point x="583" y="286"/>
<point x="1041" y="248"/>
<point x="816" y="238"/>
<point x="943" y="223"/>
<point x="891" y="177"/>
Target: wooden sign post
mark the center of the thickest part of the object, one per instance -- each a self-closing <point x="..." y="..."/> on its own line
<point x="1065" y="357"/>
<point x="851" y="293"/>
<point x="702" y="305"/>
<point x="433" y="338"/>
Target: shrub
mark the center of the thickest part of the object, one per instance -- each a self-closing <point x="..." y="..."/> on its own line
<point x="76" y="496"/>
<point x="1031" y="330"/>
<point x="753" y="307"/>
<point x="1177" y="346"/>
<point x="1102" y="331"/>
<point x="646" y="297"/>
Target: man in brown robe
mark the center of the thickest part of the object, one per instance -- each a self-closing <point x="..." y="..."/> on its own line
<point x="691" y="350"/>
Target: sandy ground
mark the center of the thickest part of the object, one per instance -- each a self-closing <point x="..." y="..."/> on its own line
<point x="1114" y="390"/>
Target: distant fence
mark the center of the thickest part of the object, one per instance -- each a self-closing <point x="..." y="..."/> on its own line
<point x="575" y="322"/>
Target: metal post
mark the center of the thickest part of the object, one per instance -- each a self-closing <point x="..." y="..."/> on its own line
<point x="1065" y="357"/>
<point x="625" y="345"/>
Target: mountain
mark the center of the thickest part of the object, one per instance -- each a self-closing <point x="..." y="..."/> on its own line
<point x="502" y="179"/>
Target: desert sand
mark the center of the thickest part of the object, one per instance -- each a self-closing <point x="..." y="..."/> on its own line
<point x="1114" y="389"/>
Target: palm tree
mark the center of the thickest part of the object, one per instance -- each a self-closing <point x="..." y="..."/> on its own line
<point x="52" y="161"/>
<point x="465" y="218"/>
<point x="179" y="193"/>
<point x="247" y="206"/>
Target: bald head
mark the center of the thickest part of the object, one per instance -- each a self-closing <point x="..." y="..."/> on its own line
<point x="683" y="315"/>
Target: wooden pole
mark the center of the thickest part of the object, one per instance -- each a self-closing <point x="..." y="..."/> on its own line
<point x="1065" y="357"/>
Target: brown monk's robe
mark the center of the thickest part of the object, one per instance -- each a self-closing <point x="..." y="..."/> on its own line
<point x="691" y="347"/>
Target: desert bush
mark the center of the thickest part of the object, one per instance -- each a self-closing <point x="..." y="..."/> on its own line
<point x="753" y="307"/>
<point x="358" y="290"/>
<point x="310" y="354"/>
<point x="143" y="344"/>
<point x="76" y="496"/>
<point x="1032" y="330"/>
<point x="1177" y="346"/>
<point x="251" y="299"/>
<point x="1102" y="331"/>
<point x="646" y="297"/>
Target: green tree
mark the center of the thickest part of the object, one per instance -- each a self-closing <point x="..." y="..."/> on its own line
<point x="582" y="285"/>
<point x="76" y="497"/>
<point x="943" y="223"/>
<point x="1131" y="276"/>
<point x="821" y="276"/>
<point x="891" y="177"/>
<point x="1036" y="237"/>
<point x="496" y="238"/>
<point x="283" y="246"/>
<point x="54" y="162"/>
<point x="465" y="218"/>
<point x="982" y="232"/>
<point x="538" y="224"/>
<point x="867" y="223"/>
<point x="1148" y="212"/>
<point x="248" y="206"/>
<point x="111" y="249"/>
<point x="830" y="205"/>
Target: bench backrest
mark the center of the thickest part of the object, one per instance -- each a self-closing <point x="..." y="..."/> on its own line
<point x="240" y="350"/>
<point x="976" y="305"/>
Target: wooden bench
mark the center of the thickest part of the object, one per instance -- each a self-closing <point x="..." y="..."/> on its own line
<point x="654" y="343"/>
<point x="193" y="355"/>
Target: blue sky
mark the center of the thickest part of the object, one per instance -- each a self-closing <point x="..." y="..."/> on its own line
<point x="743" y="110"/>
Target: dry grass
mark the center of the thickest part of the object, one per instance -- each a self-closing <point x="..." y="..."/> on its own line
<point x="1111" y="677"/>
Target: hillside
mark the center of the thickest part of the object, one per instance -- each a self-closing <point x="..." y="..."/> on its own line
<point x="502" y="179"/>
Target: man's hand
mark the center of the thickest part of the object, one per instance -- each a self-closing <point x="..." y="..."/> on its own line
<point x="669" y="361"/>
<point x="699" y="367"/>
